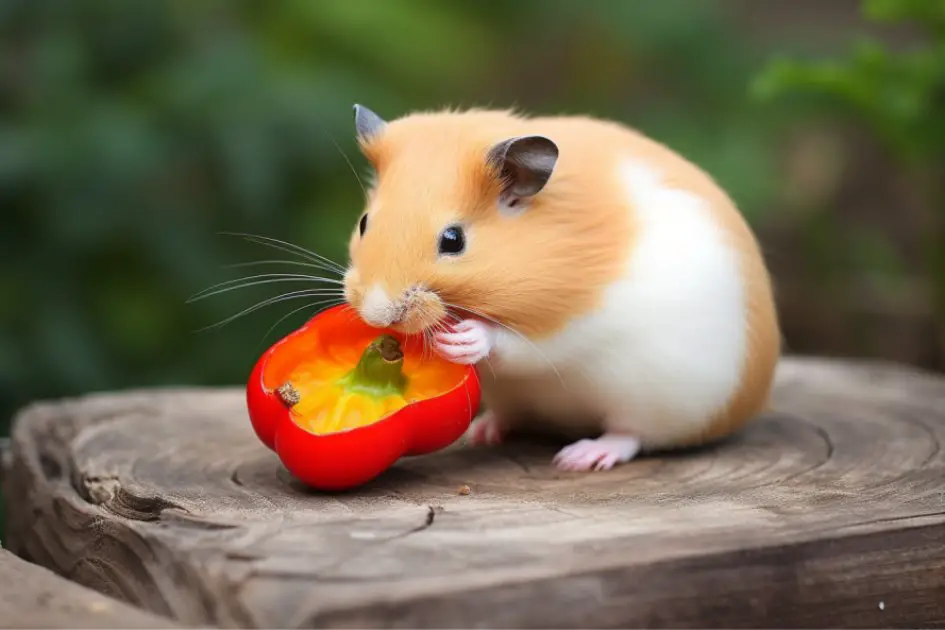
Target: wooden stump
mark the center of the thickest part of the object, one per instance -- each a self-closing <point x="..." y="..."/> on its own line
<point x="827" y="512"/>
<point x="34" y="597"/>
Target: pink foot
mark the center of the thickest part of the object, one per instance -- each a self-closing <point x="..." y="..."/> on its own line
<point x="601" y="454"/>
<point x="487" y="430"/>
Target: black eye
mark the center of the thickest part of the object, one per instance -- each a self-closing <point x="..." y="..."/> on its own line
<point x="363" y="224"/>
<point x="452" y="241"/>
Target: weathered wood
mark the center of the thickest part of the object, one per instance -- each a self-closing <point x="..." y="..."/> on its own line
<point x="827" y="512"/>
<point x="34" y="597"/>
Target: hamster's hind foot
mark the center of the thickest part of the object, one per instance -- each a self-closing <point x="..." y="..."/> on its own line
<point x="488" y="429"/>
<point x="602" y="453"/>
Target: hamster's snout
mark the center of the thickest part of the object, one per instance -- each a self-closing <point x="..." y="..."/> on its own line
<point x="379" y="309"/>
<point x="413" y="310"/>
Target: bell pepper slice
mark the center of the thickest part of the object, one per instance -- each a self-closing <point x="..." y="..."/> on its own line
<point x="340" y="401"/>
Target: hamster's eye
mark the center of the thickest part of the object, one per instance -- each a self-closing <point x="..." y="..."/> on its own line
<point x="452" y="241"/>
<point x="363" y="224"/>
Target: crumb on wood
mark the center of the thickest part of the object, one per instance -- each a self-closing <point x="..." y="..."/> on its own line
<point x="98" y="606"/>
<point x="463" y="490"/>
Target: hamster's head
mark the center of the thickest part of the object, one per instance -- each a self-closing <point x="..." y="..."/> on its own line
<point x="451" y="225"/>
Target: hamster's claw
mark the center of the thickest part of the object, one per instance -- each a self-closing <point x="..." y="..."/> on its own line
<point x="601" y="454"/>
<point x="469" y="343"/>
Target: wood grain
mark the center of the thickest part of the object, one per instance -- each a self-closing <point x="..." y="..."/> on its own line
<point x="34" y="597"/>
<point x="827" y="512"/>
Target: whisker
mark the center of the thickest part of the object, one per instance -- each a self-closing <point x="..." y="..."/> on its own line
<point x="298" y="263"/>
<point x="324" y="266"/>
<point x="424" y="342"/>
<point x="515" y="332"/>
<point x="325" y="263"/>
<point x="491" y="369"/>
<point x="270" y="278"/>
<point x="325" y="303"/>
<point x="350" y="165"/>
<point x="264" y="303"/>
<point x="438" y="326"/>
<point x="444" y="328"/>
<point x="349" y="312"/>
<point x="343" y="154"/>
<point x="291" y="248"/>
<point x="431" y="338"/>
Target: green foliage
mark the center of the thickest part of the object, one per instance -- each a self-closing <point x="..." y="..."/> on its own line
<point x="131" y="133"/>
<point x="901" y="94"/>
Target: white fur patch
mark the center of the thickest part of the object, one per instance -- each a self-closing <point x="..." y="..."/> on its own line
<point x="377" y="308"/>
<point x="666" y="349"/>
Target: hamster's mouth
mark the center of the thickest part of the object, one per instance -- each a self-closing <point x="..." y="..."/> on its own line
<point x="418" y="311"/>
<point x="419" y="320"/>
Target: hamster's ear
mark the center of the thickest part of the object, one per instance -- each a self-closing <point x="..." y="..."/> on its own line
<point x="525" y="164"/>
<point x="367" y="123"/>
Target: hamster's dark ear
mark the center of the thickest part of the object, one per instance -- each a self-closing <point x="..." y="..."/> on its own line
<point x="525" y="164"/>
<point x="367" y="124"/>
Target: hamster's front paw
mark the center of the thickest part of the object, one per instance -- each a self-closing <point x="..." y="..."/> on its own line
<point x="470" y="342"/>
<point x="601" y="454"/>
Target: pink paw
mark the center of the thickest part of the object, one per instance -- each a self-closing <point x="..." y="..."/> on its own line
<point x="470" y="342"/>
<point x="488" y="430"/>
<point x="601" y="454"/>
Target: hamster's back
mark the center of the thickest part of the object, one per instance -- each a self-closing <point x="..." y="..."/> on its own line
<point x="597" y="147"/>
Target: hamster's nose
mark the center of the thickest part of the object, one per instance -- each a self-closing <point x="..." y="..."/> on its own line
<point x="378" y="309"/>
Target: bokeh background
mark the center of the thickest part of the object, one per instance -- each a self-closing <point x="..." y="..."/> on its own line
<point x="133" y="133"/>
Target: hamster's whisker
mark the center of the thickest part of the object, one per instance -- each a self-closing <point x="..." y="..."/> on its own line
<point x="266" y="278"/>
<point x="350" y="165"/>
<point x="428" y="335"/>
<point x="426" y="345"/>
<point x="287" y="247"/>
<point x="491" y="369"/>
<point x="351" y="313"/>
<point x="291" y="248"/>
<point x="321" y="266"/>
<point x="439" y="326"/>
<point x="324" y="303"/>
<point x="514" y="332"/>
<point x="273" y="300"/>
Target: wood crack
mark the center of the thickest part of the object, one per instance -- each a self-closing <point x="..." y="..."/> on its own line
<point x="324" y="574"/>
<point x="108" y="492"/>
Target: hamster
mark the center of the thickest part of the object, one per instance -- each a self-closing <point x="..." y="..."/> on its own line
<point x="598" y="281"/>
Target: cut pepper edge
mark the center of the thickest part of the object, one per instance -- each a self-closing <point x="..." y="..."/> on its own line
<point x="390" y="351"/>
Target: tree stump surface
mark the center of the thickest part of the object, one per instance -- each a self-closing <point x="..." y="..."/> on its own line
<point x="34" y="597"/>
<point x="828" y="511"/>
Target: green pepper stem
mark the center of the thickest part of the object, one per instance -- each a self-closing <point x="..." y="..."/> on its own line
<point x="379" y="372"/>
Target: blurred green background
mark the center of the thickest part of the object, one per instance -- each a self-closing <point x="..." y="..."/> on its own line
<point x="132" y="133"/>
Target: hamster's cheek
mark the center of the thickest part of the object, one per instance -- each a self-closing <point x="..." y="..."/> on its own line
<point x="351" y="287"/>
<point x="353" y="242"/>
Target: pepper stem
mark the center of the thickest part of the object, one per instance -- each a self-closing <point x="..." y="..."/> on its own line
<point x="380" y="369"/>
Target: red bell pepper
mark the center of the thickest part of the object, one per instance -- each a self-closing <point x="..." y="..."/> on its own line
<point x="340" y="401"/>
